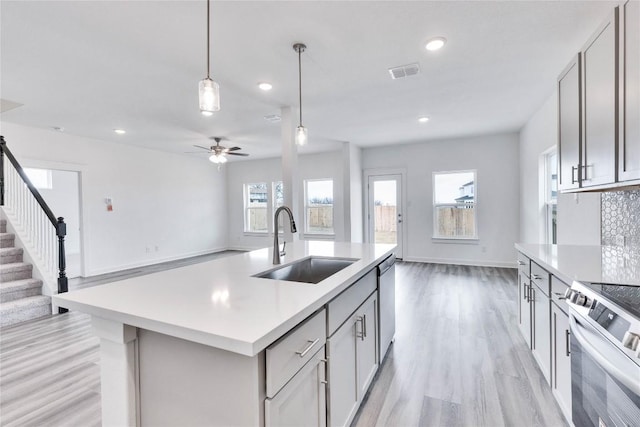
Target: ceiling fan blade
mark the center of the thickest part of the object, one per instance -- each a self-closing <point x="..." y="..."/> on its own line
<point x="193" y="152"/>
<point x="204" y="148"/>
<point x="234" y="149"/>
<point x="238" y="154"/>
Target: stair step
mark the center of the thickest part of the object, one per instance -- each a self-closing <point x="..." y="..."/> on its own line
<point x="3" y="225"/>
<point x="24" y="309"/>
<point x="10" y="255"/>
<point x="18" y="289"/>
<point x="15" y="271"/>
<point x="7" y="240"/>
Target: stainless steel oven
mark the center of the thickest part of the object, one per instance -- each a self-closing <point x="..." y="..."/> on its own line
<point x="605" y="354"/>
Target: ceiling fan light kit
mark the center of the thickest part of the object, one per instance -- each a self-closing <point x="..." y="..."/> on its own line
<point x="208" y="90"/>
<point x="301" y="131"/>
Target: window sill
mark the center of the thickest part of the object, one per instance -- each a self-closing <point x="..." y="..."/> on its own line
<point x="309" y="236"/>
<point x="456" y="240"/>
<point x="256" y="234"/>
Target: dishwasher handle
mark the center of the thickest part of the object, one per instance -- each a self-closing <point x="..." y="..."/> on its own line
<point x="386" y="264"/>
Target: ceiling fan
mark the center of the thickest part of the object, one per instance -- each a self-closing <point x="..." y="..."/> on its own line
<point x="219" y="153"/>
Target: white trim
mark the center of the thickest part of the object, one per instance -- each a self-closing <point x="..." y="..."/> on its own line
<point x="456" y="240"/>
<point x="435" y="205"/>
<point x="366" y="174"/>
<point x="450" y="261"/>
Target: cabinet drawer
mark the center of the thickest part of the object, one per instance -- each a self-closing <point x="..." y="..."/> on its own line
<point x="523" y="264"/>
<point x="341" y="307"/>
<point x="287" y="355"/>
<point x="540" y="277"/>
<point x="558" y="288"/>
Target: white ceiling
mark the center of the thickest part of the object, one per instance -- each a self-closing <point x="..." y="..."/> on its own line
<point x="92" y="66"/>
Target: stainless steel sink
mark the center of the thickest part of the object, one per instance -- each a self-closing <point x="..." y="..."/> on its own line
<point x="308" y="270"/>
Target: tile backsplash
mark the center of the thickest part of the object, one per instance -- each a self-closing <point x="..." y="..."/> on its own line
<point x="621" y="217"/>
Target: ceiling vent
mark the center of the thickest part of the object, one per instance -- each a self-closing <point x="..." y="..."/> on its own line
<point x="272" y="118"/>
<point x="404" y="71"/>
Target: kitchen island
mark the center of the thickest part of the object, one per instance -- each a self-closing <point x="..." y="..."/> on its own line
<point x="189" y="346"/>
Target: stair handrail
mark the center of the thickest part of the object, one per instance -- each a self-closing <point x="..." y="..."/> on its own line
<point x="58" y="223"/>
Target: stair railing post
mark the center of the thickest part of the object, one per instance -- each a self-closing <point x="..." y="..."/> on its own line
<point x="63" y="283"/>
<point x="2" y="145"/>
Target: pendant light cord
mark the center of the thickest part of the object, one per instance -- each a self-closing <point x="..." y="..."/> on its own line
<point x="300" y="81"/>
<point x="208" y="37"/>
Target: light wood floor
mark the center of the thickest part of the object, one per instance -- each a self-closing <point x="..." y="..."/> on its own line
<point x="458" y="360"/>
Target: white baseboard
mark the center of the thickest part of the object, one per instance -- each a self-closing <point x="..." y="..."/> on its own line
<point x="500" y="264"/>
<point x="112" y="269"/>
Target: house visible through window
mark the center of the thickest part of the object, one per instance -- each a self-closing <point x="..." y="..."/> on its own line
<point x="551" y="196"/>
<point x="318" y="206"/>
<point x="255" y="207"/>
<point x="454" y="205"/>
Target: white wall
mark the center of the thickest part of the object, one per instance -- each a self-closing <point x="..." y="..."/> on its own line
<point x="169" y="201"/>
<point x="578" y="216"/>
<point x="311" y="166"/>
<point x="495" y="157"/>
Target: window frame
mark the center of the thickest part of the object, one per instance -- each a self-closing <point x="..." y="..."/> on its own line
<point x="550" y="203"/>
<point x="245" y="213"/>
<point x="333" y="212"/>
<point x="435" y="206"/>
<point x="47" y="175"/>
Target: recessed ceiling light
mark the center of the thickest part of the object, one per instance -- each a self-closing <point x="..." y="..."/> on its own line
<point x="120" y="131"/>
<point x="265" y="86"/>
<point x="435" y="43"/>
<point x="423" y="119"/>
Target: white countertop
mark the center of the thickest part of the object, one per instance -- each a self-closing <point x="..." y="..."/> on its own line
<point x="596" y="264"/>
<point x="218" y="303"/>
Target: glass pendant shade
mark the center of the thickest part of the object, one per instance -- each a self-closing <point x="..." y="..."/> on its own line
<point x="218" y="158"/>
<point x="301" y="135"/>
<point x="209" y="92"/>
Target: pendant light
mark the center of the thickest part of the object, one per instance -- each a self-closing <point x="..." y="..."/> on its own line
<point x="301" y="131"/>
<point x="208" y="90"/>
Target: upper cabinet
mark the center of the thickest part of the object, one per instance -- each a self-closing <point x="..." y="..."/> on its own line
<point x="629" y="139"/>
<point x="598" y="107"/>
<point x="569" y="125"/>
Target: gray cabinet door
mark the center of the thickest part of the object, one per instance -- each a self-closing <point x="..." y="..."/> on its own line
<point x="367" y="317"/>
<point x="569" y="125"/>
<point x="629" y="138"/>
<point x="302" y="402"/>
<point x="524" y="307"/>
<point x="600" y="105"/>
<point x="342" y="373"/>
<point x="561" y="367"/>
<point x="541" y="336"/>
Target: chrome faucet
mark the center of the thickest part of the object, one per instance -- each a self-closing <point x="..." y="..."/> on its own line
<point x="276" y="246"/>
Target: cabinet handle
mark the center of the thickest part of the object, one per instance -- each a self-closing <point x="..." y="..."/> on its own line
<point x="304" y="352"/>
<point x="323" y="382"/>
<point x="573" y="174"/>
<point x="535" y="276"/>
<point x="521" y="262"/>
<point x="525" y="295"/>
<point x="560" y="295"/>
<point x="567" y="346"/>
<point x="364" y="325"/>
<point x="362" y="333"/>
<point x="584" y="175"/>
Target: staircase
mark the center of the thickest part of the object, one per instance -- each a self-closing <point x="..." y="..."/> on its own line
<point x="21" y="296"/>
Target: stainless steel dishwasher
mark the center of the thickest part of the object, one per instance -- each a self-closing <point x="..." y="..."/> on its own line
<point x="387" y="298"/>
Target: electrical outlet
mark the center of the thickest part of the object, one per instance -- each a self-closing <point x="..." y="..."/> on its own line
<point x="620" y="240"/>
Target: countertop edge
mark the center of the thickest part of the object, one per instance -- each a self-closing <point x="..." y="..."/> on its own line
<point x="239" y="346"/>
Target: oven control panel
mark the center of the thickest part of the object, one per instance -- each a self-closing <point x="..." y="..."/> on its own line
<point x="618" y="325"/>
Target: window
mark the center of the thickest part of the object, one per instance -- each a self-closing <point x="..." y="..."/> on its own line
<point x="454" y="205"/>
<point x="40" y="178"/>
<point x="255" y="207"/>
<point x="318" y="206"/>
<point x="551" y="196"/>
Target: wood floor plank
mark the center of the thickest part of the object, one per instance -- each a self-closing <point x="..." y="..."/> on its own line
<point x="458" y="360"/>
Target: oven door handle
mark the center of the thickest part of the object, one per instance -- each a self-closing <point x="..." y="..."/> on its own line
<point x="600" y="349"/>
